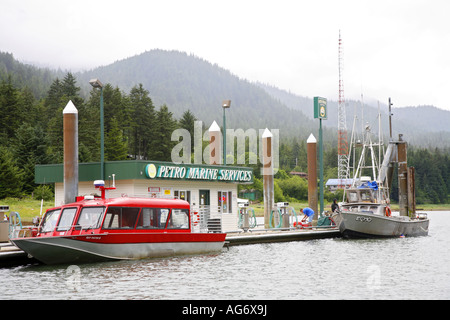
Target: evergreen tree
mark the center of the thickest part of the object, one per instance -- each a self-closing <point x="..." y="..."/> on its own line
<point x="10" y="175"/>
<point x="11" y="113"/>
<point x="30" y="148"/>
<point x="187" y="122"/>
<point x="165" y="125"/>
<point x="116" y="146"/>
<point x="142" y="124"/>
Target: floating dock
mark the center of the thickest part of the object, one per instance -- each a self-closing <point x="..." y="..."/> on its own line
<point x="11" y="256"/>
<point x="256" y="236"/>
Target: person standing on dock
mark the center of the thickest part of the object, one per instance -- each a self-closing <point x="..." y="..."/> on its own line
<point x="334" y="206"/>
<point x="308" y="212"/>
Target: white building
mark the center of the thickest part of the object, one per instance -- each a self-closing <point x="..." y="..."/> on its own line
<point x="210" y="189"/>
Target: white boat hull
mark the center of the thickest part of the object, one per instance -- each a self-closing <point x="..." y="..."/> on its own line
<point x="367" y="225"/>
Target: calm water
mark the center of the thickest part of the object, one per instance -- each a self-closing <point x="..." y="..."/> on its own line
<point x="403" y="268"/>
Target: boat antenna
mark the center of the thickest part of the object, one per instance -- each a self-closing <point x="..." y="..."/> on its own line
<point x="390" y="120"/>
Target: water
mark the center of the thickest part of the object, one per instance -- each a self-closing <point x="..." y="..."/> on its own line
<point x="403" y="268"/>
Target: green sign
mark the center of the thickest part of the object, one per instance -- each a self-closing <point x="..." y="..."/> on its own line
<point x="192" y="172"/>
<point x="320" y="108"/>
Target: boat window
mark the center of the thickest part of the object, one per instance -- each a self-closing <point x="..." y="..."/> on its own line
<point x="50" y="220"/>
<point x="352" y="196"/>
<point x="366" y="195"/>
<point x="120" y="218"/>
<point x="373" y="209"/>
<point x="90" y="217"/>
<point x="179" y="219"/>
<point x="153" y="218"/>
<point x="66" y="221"/>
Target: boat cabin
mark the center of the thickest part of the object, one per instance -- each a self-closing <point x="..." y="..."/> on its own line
<point x="362" y="200"/>
<point x="119" y="215"/>
<point x="359" y="195"/>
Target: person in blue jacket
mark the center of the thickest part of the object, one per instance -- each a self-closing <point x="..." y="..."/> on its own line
<point x="309" y="213"/>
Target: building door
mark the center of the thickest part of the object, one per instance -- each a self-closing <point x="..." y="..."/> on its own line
<point x="204" y="197"/>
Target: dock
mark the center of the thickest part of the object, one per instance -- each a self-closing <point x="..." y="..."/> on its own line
<point x="279" y="235"/>
<point x="11" y="256"/>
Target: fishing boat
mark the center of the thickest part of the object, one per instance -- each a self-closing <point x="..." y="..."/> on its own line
<point x="365" y="211"/>
<point x="96" y="229"/>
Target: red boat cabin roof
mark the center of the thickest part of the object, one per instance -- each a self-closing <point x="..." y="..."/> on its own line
<point x="131" y="202"/>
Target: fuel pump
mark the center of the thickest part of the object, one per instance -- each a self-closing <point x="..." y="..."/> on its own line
<point x="247" y="218"/>
<point x="243" y="217"/>
<point x="281" y="216"/>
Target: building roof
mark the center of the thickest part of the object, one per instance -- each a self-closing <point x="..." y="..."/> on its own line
<point x="336" y="182"/>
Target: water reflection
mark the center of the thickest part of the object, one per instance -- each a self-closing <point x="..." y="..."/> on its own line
<point x="406" y="268"/>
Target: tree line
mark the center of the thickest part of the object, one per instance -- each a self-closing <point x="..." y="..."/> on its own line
<point x="31" y="132"/>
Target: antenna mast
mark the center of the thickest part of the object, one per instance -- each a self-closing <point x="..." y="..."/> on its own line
<point x="343" y="169"/>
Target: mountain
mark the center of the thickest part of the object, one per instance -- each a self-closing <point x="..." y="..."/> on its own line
<point x="185" y="82"/>
<point x="422" y="125"/>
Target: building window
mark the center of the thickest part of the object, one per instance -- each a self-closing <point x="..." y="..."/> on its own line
<point x="224" y="201"/>
<point x="183" y="195"/>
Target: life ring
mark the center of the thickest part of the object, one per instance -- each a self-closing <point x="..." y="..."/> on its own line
<point x="196" y="218"/>
<point x="388" y="212"/>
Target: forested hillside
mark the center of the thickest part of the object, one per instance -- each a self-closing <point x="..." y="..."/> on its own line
<point x="147" y="97"/>
<point x="185" y="82"/>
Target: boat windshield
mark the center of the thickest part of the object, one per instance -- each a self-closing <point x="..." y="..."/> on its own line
<point x="50" y="220"/>
<point x="65" y="223"/>
<point x="90" y="217"/>
<point x="366" y="196"/>
<point x="352" y="196"/>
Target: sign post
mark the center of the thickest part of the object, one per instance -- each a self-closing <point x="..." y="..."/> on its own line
<point x="320" y="112"/>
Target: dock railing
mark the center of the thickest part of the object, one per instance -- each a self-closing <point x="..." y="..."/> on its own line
<point x="203" y="219"/>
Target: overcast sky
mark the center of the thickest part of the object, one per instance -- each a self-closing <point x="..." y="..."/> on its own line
<point x="392" y="48"/>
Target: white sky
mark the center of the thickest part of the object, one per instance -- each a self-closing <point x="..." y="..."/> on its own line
<point x="392" y="48"/>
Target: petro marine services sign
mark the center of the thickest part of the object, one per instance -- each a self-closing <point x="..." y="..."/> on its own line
<point x="192" y="172"/>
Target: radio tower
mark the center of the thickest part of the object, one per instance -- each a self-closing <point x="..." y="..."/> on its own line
<point x="343" y="171"/>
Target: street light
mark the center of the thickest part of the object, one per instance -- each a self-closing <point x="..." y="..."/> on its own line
<point x="225" y="105"/>
<point x="97" y="84"/>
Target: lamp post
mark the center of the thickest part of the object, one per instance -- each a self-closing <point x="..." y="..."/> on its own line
<point x="225" y="105"/>
<point x="97" y="84"/>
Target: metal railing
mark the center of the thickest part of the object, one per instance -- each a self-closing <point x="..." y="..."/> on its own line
<point x="203" y="219"/>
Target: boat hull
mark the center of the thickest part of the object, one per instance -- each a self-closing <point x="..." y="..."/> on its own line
<point x="107" y="247"/>
<point x="366" y="225"/>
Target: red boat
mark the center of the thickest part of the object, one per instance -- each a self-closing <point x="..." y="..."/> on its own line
<point x="102" y="229"/>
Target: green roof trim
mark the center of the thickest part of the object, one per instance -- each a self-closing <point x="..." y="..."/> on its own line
<point x="143" y="169"/>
